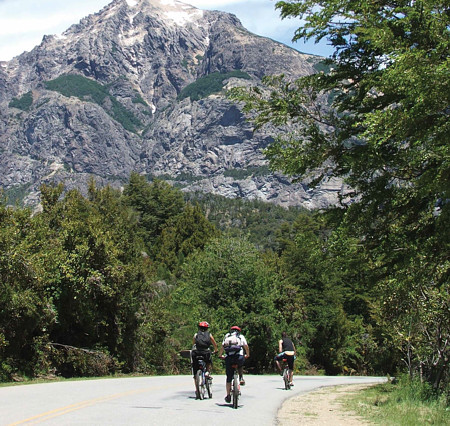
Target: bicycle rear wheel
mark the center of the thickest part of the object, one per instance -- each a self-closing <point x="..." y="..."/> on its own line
<point x="199" y="385"/>
<point x="235" y="390"/>
<point x="287" y="384"/>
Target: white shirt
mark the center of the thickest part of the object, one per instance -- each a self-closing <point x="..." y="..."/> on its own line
<point x="241" y="339"/>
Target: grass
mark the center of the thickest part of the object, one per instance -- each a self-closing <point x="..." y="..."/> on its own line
<point x="406" y="403"/>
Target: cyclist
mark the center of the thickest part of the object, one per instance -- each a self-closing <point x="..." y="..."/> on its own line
<point x="286" y="350"/>
<point x="202" y="341"/>
<point x="235" y="346"/>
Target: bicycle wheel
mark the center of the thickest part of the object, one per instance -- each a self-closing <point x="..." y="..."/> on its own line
<point x="235" y="390"/>
<point x="209" y="387"/>
<point x="199" y="385"/>
<point x="287" y="385"/>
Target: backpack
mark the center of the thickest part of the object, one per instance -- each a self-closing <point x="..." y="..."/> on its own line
<point x="232" y="344"/>
<point x="202" y="340"/>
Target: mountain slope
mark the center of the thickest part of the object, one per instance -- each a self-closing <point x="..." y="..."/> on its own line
<point x="106" y="98"/>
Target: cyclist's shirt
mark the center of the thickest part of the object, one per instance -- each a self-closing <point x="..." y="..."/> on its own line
<point x="288" y="346"/>
<point x="242" y="341"/>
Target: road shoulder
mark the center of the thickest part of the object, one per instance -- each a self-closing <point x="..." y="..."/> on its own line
<point x="321" y="407"/>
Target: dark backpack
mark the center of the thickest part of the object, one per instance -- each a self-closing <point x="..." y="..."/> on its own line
<point x="202" y="340"/>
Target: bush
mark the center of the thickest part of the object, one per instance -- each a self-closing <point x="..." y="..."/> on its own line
<point x="70" y="361"/>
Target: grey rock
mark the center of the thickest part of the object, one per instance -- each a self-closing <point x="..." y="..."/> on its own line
<point x="142" y="56"/>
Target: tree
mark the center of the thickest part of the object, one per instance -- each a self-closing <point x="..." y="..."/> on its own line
<point x="385" y="133"/>
<point x="185" y="233"/>
<point x="88" y="254"/>
<point x="228" y="283"/>
<point x="155" y="202"/>
<point x="25" y="308"/>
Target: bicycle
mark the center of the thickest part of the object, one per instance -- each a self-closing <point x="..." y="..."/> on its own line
<point x="287" y="383"/>
<point x="235" y="386"/>
<point x="203" y="382"/>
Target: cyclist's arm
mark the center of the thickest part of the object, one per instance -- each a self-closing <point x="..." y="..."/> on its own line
<point x="220" y="351"/>
<point x="213" y="341"/>
<point x="280" y="346"/>
<point x="247" y="351"/>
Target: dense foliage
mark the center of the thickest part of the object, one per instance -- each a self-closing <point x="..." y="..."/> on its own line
<point x="24" y="102"/>
<point x="117" y="281"/>
<point x="91" y="91"/>
<point x="209" y="84"/>
<point x="386" y="135"/>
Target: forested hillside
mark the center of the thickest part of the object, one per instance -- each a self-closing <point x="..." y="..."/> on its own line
<point x="116" y="282"/>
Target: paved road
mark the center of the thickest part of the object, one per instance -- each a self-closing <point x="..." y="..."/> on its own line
<point x="152" y="401"/>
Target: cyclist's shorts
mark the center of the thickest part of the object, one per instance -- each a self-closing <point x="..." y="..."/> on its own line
<point x="229" y="361"/>
<point x="206" y="355"/>
<point x="289" y="359"/>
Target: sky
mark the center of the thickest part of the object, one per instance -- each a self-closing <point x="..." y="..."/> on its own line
<point x="23" y="23"/>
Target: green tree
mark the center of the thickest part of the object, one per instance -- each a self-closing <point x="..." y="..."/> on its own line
<point x="228" y="283"/>
<point x="155" y="203"/>
<point x="25" y="309"/>
<point x="386" y="134"/>
<point x="184" y="233"/>
<point x="89" y="255"/>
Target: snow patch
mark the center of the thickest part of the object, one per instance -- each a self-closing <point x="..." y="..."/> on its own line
<point x="132" y="3"/>
<point x="182" y="18"/>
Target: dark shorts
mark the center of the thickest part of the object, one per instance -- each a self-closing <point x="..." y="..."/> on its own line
<point x="196" y="355"/>
<point x="289" y="359"/>
<point x="229" y="361"/>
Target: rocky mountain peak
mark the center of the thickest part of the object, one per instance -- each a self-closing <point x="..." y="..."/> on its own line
<point x="138" y="86"/>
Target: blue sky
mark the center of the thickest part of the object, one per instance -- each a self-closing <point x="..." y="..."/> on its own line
<point x="23" y="23"/>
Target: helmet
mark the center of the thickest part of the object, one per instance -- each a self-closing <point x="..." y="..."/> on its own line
<point x="235" y="327"/>
<point x="203" y="324"/>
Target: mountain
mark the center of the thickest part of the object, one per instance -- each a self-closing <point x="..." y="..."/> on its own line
<point x="138" y="86"/>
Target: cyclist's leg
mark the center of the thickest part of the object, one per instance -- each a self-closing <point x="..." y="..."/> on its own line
<point x="241" y="361"/>
<point x="229" y="373"/>
<point x="194" y="363"/>
<point x="290" y="361"/>
<point x="277" y="359"/>
<point x="208" y="361"/>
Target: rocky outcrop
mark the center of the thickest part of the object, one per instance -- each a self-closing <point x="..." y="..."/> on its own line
<point x="122" y="111"/>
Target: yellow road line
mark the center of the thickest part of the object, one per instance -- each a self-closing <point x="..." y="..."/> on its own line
<point x="84" y="404"/>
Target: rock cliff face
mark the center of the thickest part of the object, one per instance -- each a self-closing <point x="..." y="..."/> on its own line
<point x="134" y="88"/>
